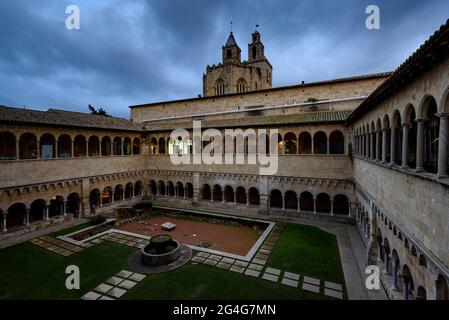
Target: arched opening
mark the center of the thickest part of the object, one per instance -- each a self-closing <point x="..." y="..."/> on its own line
<point x="79" y="146"/>
<point x="64" y="146"/>
<point x="431" y="135"/>
<point x="254" y="198"/>
<point x="16" y="215"/>
<point x="397" y="137"/>
<point x="94" y="145"/>
<point x="305" y="143"/>
<point x="291" y="200"/>
<point x="56" y="206"/>
<point x="219" y="85"/>
<point x="180" y="188"/>
<point x="171" y="189"/>
<point x="323" y="203"/>
<point x="106" y="146"/>
<point x="422" y="261"/>
<point x="153" y="187"/>
<point x="106" y="196"/>
<point x="136" y="146"/>
<point x="241" y="85"/>
<point x="407" y="283"/>
<point x="229" y="194"/>
<point x="154" y="146"/>
<point x="94" y="198"/>
<point x="161" y="186"/>
<point x="275" y="199"/>
<point x="118" y="192"/>
<point x="373" y="141"/>
<point x="217" y="194"/>
<point x="74" y="204"/>
<point x="442" y="292"/>
<point x="421" y="293"/>
<point x="290" y="143"/>
<point x="341" y="205"/>
<point x="388" y="138"/>
<point x="117" y="146"/>
<point x="412" y="129"/>
<point x="7" y="146"/>
<point x="161" y="146"/>
<point x="241" y="195"/>
<point x="138" y="189"/>
<point x="189" y="190"/>
<point x="37" y="210"/>
<point x="127" y="146"/>
<point x="47" y="146"/>
<point x="129" y="190"/>
<point x="280" y="144"/>
<point x="320" y="143"/>
<point x="306" y="202"/>
<point x="205" y="192"/>
<point x="379" y="137"/>
<point x="28" y="146"/>
<point x="336" y="143"/>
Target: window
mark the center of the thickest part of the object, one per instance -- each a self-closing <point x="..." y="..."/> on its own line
<point x="219" y="87"/>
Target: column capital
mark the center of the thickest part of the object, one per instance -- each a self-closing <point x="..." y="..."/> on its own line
<point x="443" y="115"/>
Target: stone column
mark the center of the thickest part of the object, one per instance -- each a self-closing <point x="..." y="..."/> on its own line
<point x="72" y="149"/>
<point x="283" y="202"/>
<point x="384" y="145"/>
<point x="46" y="215"/>
<point x="386" y="262"/>
<point x="328" y="151"/>
<point x="393" y="145"/>
<point x="368" y="145"/>
<point x="196" y="188"/>
<point x="372" y="145"/>
<point x="247" y="199"/>
<point x="443" y="146"/>
<point x="405" y="145"/>
<point x="223" y="196"/>
<point x="235" y="197"/>
<point x="38" y="156"/>
<point x="87" y="147"/>
<point x="65" y="208"/>
<point x="394" y="282"/>
<point x="378" y="155"/>
<point x="405" y="288"/>
<point x="332" y="207"/>
<point x="314" y="205"/>
<point x="212" y="195"/>
<point x="56" y="149"/>
<point x="17" y="149"/>
<point x="101" y="200"/>
<point x="4" y="222"/>
<point x="185" y="192"/>
<point x="176" y="191"/>
<point x="298" y="200"/>
<point x="420" y="146"/>
<point x="123" y="194"/>
<point x="112" y="197"/>
<point x="27" y="217"/>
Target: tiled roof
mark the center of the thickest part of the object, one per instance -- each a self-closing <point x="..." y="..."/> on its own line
<point x="280" y="120"/>
<point x="56" y="117"/>
<point x="431" y="52"/>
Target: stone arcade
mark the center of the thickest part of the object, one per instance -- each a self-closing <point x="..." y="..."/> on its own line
<point x="368" y="150"/>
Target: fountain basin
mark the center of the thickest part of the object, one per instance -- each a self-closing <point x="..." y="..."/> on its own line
<point x="161" y="250"/>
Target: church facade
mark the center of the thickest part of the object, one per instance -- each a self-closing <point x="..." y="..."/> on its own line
<point x="371" y="151"/>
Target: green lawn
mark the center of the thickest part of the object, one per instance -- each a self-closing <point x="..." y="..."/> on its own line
<point x="309" y="251"/>
<point x="30" y="272"/>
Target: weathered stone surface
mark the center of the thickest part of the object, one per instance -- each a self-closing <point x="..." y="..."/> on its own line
<point x="333" y="293"/>
<point x="310" y="287"/>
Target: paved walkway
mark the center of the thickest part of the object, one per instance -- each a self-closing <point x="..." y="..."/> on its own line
<point x="39" y="233"/>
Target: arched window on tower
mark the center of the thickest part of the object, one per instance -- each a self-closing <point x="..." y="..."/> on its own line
<point x="241" y="85"/>
<point x="219" y="87"/>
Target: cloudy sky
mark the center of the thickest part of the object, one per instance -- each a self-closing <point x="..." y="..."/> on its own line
<point x="135" y="51"/>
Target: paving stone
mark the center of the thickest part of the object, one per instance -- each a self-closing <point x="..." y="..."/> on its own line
<point x="239" y="263"/>
<point x="270" y="277"/>
<point x="333" y="286"/>
<point x="203" y="254"/>
<point x="87" y="245"/>
<point x="91" y="296"/>
<point x="259" y="261"/>
<point x="127" y="284"/>
<point x="293" y="276"/>
<point x="267" y="247"/>
<point x="290" y="282"/>
<point x="261" y="256"/>
<point x="273" y="271"/>
<point x="252" y="273"/>
<point x="215" y="257"/>
<point x="237" y="269"/>
<point x="311" y="280"/>
<point x="97" y="241"/>
<point x="265" y="251"/>
<point x="116" y="292"/>
<point x="228" y="260"/>
<point x="333" y="293"/>
<point x="124" y="274"/>
<point x="256" y="267"/>
<point x="103" y="288"/>
<point x="211" y="262"/>
<point x="106" y="298"/>
<point x="198" y="259"/>
<point x="310" y="287"/>
<point x="223" y="265"/>
<point x="137" y="277"/>
<point x="114" y="280"/>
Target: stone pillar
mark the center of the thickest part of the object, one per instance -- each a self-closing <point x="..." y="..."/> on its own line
<point x="27" y="217"/>
<point x="314" y="205"/>
<point x="65" y="208"/>
<point x="196" y="188"/>
<point x="298" y="200"/>
<point x="101" y="200"/>
<point x="378" y="155"/>
<point x="56" y="149"/>
<point x="17" y="149"/>
<point x="420" y="146"/>
<point x="405" y="145"/>
<point x="223" y="196"/>
<point x="123" y="194"/>
<point x="247" y="199"/>
<point x="394" y="282"/>
<point x="112" y="146"/>
<point x="368" y="145"/>
<point x="112" y="197"/>
<point x="185" y="192"/>
<point x="46" y="215"/>
<point x="38" y="156"/>
<point x="386" y="262"/>
<point x="443" y="146"/>
<point x="235" y="197"/>
<point x="176" y="191"/>
<point x="371" y="144"/>
<point x="328" y="151"/>
<point x="72" y="148"/>
<point x="212" y="191"/>
<point x="264" y="205"/>
<point x="332" y="208"/>
<point x="393" y="145"/>
<point x="87" y="147"/>
<point x="283" y="202"/>
<point x="405" y="288"/>
<point x="384" y="145"/>
<point x="4" y="222"/>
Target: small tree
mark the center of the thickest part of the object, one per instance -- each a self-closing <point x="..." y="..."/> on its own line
<point x="100" y="111"/>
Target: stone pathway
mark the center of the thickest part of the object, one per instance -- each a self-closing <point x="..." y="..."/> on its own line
<point x="256" y="268"/>
<point x="57" y="246"/>
<point x="130" y="241"/>
<point x="114" y="287"/>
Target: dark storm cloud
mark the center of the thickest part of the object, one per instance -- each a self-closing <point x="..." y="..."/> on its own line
<point x="136" y="51"/>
